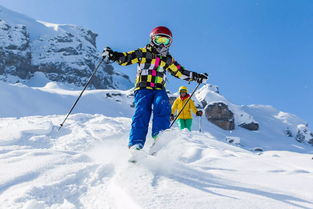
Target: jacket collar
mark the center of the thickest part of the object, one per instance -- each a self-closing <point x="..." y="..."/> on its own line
<point x="185" y="97"/>
<point x="152" y="49"/>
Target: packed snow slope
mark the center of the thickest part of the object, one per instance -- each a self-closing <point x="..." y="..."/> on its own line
<point x="84" y="165"/>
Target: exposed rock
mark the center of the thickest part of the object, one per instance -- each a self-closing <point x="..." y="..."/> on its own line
<point x="209" y="94"/>
<point x="250" y="126"/>
<point x="204" y="103"/>
<point x="258" y="150"/>
<point x="233" y="140"/>
<point x="220" y="115"/>
<point x="15" y="51"/>
<point x="64" y="53"/>
<point x="311" y="140"/>
<point x="300" y="137"/>
<point x="304" y="134"/>
<point x="288" y="132"/>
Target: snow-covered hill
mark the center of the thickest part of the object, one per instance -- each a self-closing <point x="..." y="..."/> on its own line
<point x="63" y="53"/>
<point x="251" y="156"/>
<point x="20" y="100"/>
<point x="84" y="165"/>
<point x="275" y="129"/>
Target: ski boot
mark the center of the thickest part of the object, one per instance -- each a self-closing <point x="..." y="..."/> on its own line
<point x="135" y="153"/>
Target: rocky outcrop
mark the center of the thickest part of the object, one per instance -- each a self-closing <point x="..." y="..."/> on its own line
<point x="222" y="112"/>
<point x="303" y="134"/>
<point x="288" y="132"/>
<point x="15" y="51"/>
<point x="220" y="115"/>
<point x="64" y="53"/>
<point x="250" y="126"/>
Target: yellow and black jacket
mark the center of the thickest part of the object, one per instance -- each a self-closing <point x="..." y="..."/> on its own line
<point x="151" y="73"/>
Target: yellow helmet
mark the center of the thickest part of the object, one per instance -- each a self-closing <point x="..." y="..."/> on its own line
<point x="183" y="88"/>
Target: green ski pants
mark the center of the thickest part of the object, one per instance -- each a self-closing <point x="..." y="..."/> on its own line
<point x="184" y="123"/>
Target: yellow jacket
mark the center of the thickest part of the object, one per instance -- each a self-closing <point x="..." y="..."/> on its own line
<point x="186" y="113"/>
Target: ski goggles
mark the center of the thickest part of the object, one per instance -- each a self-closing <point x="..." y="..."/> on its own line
<point x="183" y="91"/>
<point x="158" y="40"/>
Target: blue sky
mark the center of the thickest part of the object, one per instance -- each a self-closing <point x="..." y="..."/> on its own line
<point x="256" y="51"/>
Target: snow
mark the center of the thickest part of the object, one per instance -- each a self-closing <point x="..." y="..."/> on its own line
<point x="50" y="25"/>
<point x="15" y="18"/>
<point x="84" y="165"/>
<point x="20" y="100"/>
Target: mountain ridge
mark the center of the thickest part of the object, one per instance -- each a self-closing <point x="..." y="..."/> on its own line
<point x="64" y="53"/>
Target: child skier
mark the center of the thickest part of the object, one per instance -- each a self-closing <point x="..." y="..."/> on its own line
<point x="185" y="118"/>
<point x="153" y="60"/>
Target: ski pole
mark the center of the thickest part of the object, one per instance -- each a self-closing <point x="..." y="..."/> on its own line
<point x="184" y="105"/>
<point x="81" y="93"/>
<point x="200" y="124"/>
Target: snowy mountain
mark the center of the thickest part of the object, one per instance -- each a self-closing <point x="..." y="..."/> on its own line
<point x="266" y="124"/>
<point x="276" y="129"/>
<point x="84" y="165"/>
<point x="63" y="53"/>
<point x="251" y="156"/>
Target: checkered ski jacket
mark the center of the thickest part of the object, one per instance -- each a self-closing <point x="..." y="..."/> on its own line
<point x="151" y="73"/>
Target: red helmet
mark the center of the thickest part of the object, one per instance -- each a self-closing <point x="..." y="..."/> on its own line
<point x="161" y="30"/>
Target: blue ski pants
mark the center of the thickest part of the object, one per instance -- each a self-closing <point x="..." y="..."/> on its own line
<point x="146" y="102"/>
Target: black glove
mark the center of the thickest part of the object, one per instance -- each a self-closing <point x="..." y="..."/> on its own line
<point x="172" y="117"/>
<point x="108" y="55"/>
<point x="199" y="113"/>
<point x="200" y="78"/>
